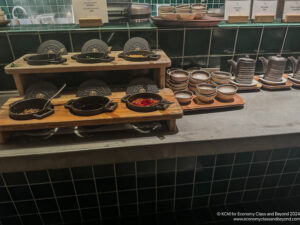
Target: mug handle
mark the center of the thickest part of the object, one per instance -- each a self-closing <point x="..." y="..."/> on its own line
<point x="124" y="99"/>
<point x="111" y="106"/>
<point x="41" y="116"/>
<point x="68" y="105"/>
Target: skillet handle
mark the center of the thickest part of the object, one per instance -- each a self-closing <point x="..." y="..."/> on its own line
<point x="164" y="105"/>
<point x="121" y="55"/>
<point x="111" y="106"/>
<point x="154" y="57"/>
<point x="124" y="99"/>
<point x="108" y="59"/>
<point x="69" y="103"/>
<point x="61" y="60"/>
<point x="48" y="113"/>
<point x="74" y="56"/>
<point x="26" y="59"/>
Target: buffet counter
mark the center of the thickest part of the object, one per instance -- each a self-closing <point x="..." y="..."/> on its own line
<point x="269" y="120"/>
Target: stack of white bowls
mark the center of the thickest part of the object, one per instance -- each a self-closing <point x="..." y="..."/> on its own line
<point x="198" y="77"/>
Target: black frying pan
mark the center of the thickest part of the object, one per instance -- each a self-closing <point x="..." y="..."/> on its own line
<point x="44" y="59"/>
<point x="92" y="57"/>
<point x="145" y="56"/>
<point x="162" y="104"/>
<point x="91" y="105"/>
<point x="16" y="109"/>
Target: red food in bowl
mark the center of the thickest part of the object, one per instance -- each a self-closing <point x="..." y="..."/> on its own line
<point x="145" y="102"/>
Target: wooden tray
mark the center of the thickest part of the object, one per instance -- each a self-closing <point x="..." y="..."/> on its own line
<point x="285" y="86"/>
<point x="197" y="105"/>
<point x="207" y="21"/>
<point x="63" y="118"/>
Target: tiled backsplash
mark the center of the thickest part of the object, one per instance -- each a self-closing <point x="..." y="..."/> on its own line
<point x="206" y="47"/>
<point x="140" y="188"/>
<point x="61" y="7"/>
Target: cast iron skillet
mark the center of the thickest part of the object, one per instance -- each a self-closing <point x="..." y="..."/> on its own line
<point x="90" y="105"/>
<point x="92" y="57"/>
<point x="18" y="107"/>
<point x="44" y="59"/>
<point x="162" y="104"/>
<point x="147" y="56"/>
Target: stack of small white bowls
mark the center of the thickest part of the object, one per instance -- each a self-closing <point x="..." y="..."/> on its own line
<point x="199" y="10"/>
<point x="177" y="79"/>
<point x="206" y="92"/>
<point x="220" y="77"/>
<point x="198" y="77"/>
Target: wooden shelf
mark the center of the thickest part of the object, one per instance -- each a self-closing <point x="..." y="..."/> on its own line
<point x="63" y="118"/>
<point x="21" y="68"/>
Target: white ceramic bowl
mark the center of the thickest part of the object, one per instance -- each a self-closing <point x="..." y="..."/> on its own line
<point x="226" y="92"/>
<point x="179" y="75"/>
<point x="184" y="97"/>
<point x="206" y="89"/>
<point x="199" y="76"/>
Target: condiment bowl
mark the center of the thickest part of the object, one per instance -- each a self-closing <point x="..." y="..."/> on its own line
<point x="199" y="76"/>
<point x="221" y="77"/>
<point x="184" y="97"/>
<point x="226" y="92"/>
<point x="206" y="98"/>
<point x="206" y="89"/>
<point x="179" y="75"/>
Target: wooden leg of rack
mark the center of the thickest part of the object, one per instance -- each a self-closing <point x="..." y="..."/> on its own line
<point x="159" y="77"/>
<point x="19" y="83"/>
<point x="4" y="137"/>
<point x="172" y="125"/>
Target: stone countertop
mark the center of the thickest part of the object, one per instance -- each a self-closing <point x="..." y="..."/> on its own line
<point x="269" y="120"/>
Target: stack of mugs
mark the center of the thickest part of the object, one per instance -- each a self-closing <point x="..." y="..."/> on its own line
<point x="206" y="92"/>
<point x="273" y="68"/>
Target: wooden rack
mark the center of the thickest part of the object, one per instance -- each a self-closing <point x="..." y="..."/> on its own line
<point x="19" y="68"/>
<point x="63" y="118"/>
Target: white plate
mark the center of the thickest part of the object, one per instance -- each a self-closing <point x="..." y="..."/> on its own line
<point x="283" y="81"/>
<point x="293" y="79"/>
<point x="254" y="83"/>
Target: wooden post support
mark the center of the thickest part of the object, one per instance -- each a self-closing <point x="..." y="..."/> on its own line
<point x="19" y="83"/>
<point x="172" y="125"/>
<point x="160" y="77"/>
<point x="4" y="137"/>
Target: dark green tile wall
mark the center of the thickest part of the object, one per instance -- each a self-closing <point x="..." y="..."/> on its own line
<point x="205" y="47"/>
<point x="88" y="194"/>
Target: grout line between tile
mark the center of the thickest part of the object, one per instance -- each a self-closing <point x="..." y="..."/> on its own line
<point x="117" y="192"/>
<point x="33" y="198"/>
<point x="12" y="201"/>
<point x="76" y="195"/>
<point x="97" y="193"/>
<point x="194" y="180"/>
<point x="247" y="178"/>
<point x="71" y="41"/>
<point x="259" y="43"/>
<point x="183" y="46"/>
<point x="209" y="47"/>
<point x="175" y="185"/>
<point x="10" y="46"/>
<point x="55" y="197"/>
<point x="136" y="188"/>
<point x="264" y="176"/>
<point x="284" y="39"/>
<point x="212" y="180"/>
<point x="230" y="179"/>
